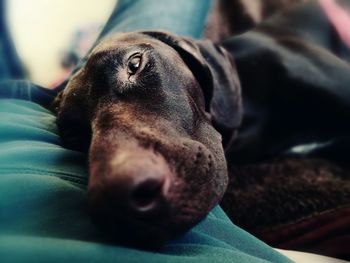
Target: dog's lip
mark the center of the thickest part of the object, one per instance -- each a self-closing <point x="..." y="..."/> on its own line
<point x="136" y="232"/>
<point x="138" y="223"/>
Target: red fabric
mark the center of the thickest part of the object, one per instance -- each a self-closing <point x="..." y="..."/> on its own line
<point x="327" y="233"/>
<point x="339" y="17"/>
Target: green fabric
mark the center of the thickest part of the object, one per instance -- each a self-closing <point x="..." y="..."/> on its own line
<point x="43" y="211"/>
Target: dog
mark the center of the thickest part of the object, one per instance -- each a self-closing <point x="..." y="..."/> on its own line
<point x="144" y="106"/>
<point x="163" y="118"/>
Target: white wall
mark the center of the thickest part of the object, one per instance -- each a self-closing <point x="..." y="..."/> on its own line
<point x="41" y="30"/>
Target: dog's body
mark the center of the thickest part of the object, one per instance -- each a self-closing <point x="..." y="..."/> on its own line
<point x="295" y="83"/>
<point x="294" y="72"/>
<point x="146" y="104"/>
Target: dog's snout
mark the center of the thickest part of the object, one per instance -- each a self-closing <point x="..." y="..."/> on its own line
<point x="135" y="188"/>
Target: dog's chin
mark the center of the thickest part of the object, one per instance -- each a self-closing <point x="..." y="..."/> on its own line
<point x="142" y="233"/>
<point x="123" y="227"/>
<point x="137" y="234"/>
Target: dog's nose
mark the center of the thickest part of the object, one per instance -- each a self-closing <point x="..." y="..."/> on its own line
<point x="136" y="186"/>
<point x="147" y="195"/>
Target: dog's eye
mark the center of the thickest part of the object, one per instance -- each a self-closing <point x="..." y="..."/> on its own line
<point x="134" y="64"/>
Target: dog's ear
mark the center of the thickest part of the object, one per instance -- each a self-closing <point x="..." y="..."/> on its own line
<point x="214" y="69"/>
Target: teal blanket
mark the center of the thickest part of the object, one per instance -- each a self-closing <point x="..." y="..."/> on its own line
<point x="43" y="211"/>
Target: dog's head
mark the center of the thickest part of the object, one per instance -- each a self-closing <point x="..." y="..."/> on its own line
<point x="145" y="106"/>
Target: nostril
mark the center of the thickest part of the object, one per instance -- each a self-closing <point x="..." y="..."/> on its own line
<point x="146" y="195"/>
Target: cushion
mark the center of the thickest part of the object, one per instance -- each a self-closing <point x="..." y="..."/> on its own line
<point x="43" y="211"/>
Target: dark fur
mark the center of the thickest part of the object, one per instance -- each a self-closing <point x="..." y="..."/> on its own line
<point x="295" y="83"/>
<point x="295" y="89"/>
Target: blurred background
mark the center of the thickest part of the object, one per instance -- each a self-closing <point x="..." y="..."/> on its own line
<point x="47" y="33"/>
